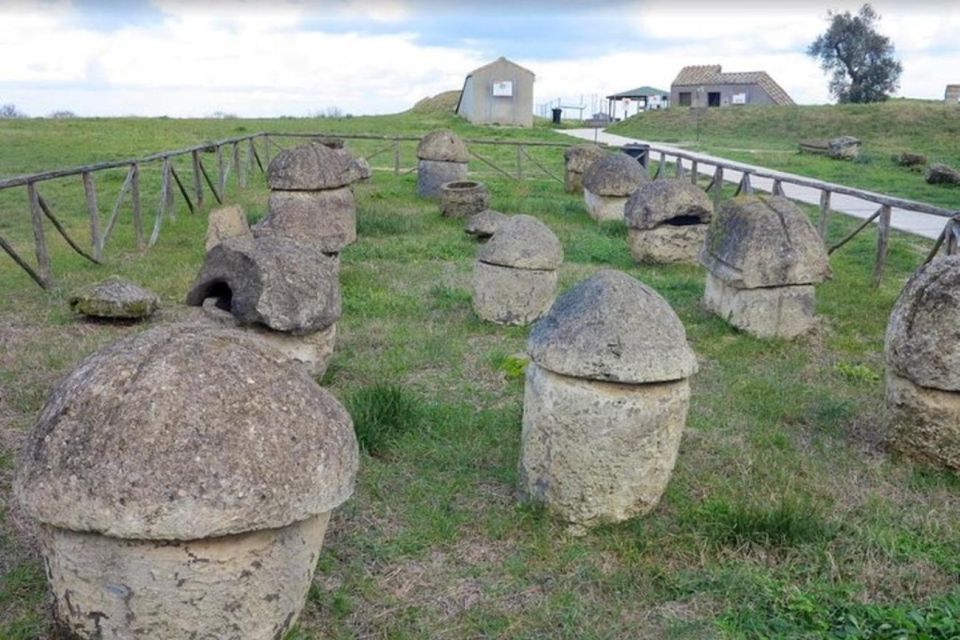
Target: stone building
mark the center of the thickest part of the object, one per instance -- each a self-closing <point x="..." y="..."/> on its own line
<point x="708" y="86"/>
<point x="500" y="92"/>
<point x="952" y="94"/>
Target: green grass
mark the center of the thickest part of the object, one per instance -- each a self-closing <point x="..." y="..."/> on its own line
<point x="785" y="515"/>
<point x="768" y="136"/>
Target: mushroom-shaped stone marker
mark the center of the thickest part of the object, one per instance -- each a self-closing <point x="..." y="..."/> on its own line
<point x="443" y="158"/>
<point x="284" y="292"/>
<point x="606" y="401"/>
<point x="484" y="224"/>
<point x="184" y="480"/>
<point x="463" y="198"/>
<point x="515" y="273"/>
<point x="667" y="221"/>
<point x="923" y="365"/>
<point x="226" y="222"/>
<point x="763" y="258"/>
<point x="115" y="298"/>
<point x="576" y="160"/>
<point x="608" y="182"/>
<point x="311" y="201"/>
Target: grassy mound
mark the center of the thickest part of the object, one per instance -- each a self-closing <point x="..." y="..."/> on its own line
<point x="444" y="102"/>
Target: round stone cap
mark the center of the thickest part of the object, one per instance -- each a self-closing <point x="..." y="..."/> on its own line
<point x="311" y="167"/>
<point x="443" y="146"/>
<point x="186" y="432"/>
<point x="923" y="335"/>
<point x="614" y="174"/>
<point x="661" y="201"/>
<point x="580" y="156"/>
<point x="522" y="242"/>
<point x="484" y="224"/>
<point x="614" y="328"/>
<point x="764" y="241"/>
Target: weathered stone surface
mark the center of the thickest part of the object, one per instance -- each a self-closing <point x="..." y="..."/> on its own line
<point x="614" y="174"/>
<point x="326" y="219"/>
<point x="433" y="174"/>
<point x="924" y="423"/>
<point x="484" y="224"/>
<point x="768" y="312"/>
<point x="281" y="284"/>
<point x="186" y="432"/>
<point x="250" y="585"/>
<point x="604" y="208"/>
<point x="668" y="201"/>
<point x="764" y="241"/>
<point x="597" y="452"/>
<point x="224" y="223"/>
<point x="522" y="242"/>
<point x="612" y="327"/>
<point x="908" y="159"/>
<point x="839" y="148"/>
<point x="505" y="295"/>
<point x="116" y="298"/>
<point x="667" y="243"/>
<point x="445" y="146"/>
<point x="312" y="351"/>
<point x="361" y="169"/>
<point x="310" y="167"/>
<point x="576" y="160"/>
<point x="942" y="174"/>
<point x="462" y="198"/>
<point x="923" y="335"/>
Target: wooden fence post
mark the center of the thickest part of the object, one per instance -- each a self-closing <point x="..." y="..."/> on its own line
<point x="883" y="237"/>
<point x="266" y="151"/>
<point x="824" y="213"/>
<point x="251" y="160"/>
<point x="135" y="200"/>
<point x="519" y="162"/>
<point x="197" y="178"/>
<point x="717" y="186"/>
<point x="678" y="168"/>
<point x="777" y="188"/>
<point x="694" y="171"/>
<point x="396" y="157"/>
<point x="221" y="173"/>
<point x="90" y="191"/>
<point x="39" y="239"/>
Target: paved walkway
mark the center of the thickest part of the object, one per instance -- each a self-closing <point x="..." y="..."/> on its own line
<point x="921" y="224"/>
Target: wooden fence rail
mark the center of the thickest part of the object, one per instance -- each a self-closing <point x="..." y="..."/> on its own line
<point x="258" y="148"/>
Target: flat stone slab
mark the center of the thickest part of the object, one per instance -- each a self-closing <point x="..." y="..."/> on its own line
<point x="114" y="298"/>
<point x="768" y="312"/>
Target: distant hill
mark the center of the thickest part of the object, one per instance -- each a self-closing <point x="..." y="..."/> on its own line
<point x="442" y="102"/>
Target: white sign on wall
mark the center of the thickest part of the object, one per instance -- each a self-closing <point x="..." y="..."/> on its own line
<point x="739" y="98"/>
<point x="503" y="89"/>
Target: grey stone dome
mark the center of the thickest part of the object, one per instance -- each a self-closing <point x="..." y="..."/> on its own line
<point x="522" y="242"/>
<point x="923" y="335"/>
<point x="764" y="241"/>
<point x="614" y="328"/>
<point x="614" y="174"/>
<point x="443" y="146"/>
<point x="186" y="432"/>
<point x="579" y="157"/>
<point x="660" y="201"/>
<point x="311" y="167"/>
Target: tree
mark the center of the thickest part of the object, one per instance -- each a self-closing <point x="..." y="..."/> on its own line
<point x="861" y="59"/>
<point x="10" y="111"/>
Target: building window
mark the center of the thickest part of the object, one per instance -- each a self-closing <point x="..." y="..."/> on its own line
<point x="685" y="99"/>
<point x="713" y="99"/>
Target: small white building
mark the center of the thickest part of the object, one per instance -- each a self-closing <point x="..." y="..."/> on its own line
<point x="500" y="92"/>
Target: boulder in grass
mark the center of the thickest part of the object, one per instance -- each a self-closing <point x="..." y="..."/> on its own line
<point x="912" y="160"/>
<point x="939" y="173"/>
<point x="114" y="298"/>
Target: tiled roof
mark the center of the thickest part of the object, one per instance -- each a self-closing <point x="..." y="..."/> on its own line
<point x="712" y="74"/>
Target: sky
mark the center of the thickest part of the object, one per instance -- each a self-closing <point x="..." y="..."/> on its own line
<point x="298" y="58"/>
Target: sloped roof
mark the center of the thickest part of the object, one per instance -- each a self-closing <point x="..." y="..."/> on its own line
<point x="500" y="59"/>
<point x="712" y="74"/>
<point x="640" y="92"/>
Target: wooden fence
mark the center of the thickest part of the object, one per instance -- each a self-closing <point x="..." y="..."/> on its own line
<point x="245" y="154"/>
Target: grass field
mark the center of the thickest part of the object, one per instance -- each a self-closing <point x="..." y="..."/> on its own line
<point x="786" y="515"/>
<point x="768" y="136"/>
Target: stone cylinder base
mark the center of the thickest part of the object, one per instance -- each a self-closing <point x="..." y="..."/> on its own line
<point x="250" y="586"/>
<point x="432" y="174"/>
<point x="573" y="181"/>
<point x="312" y="350"/>
<point x="604" y="208"/>
<point x="512" y="296"/>
<point x="924" y="423"/>
<point x="770" y="312"/>
<point x="327" y="219"/>
<point x="667" y="243"/>
<point x="463" y="198"/>
<point x="597" y="452"/>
